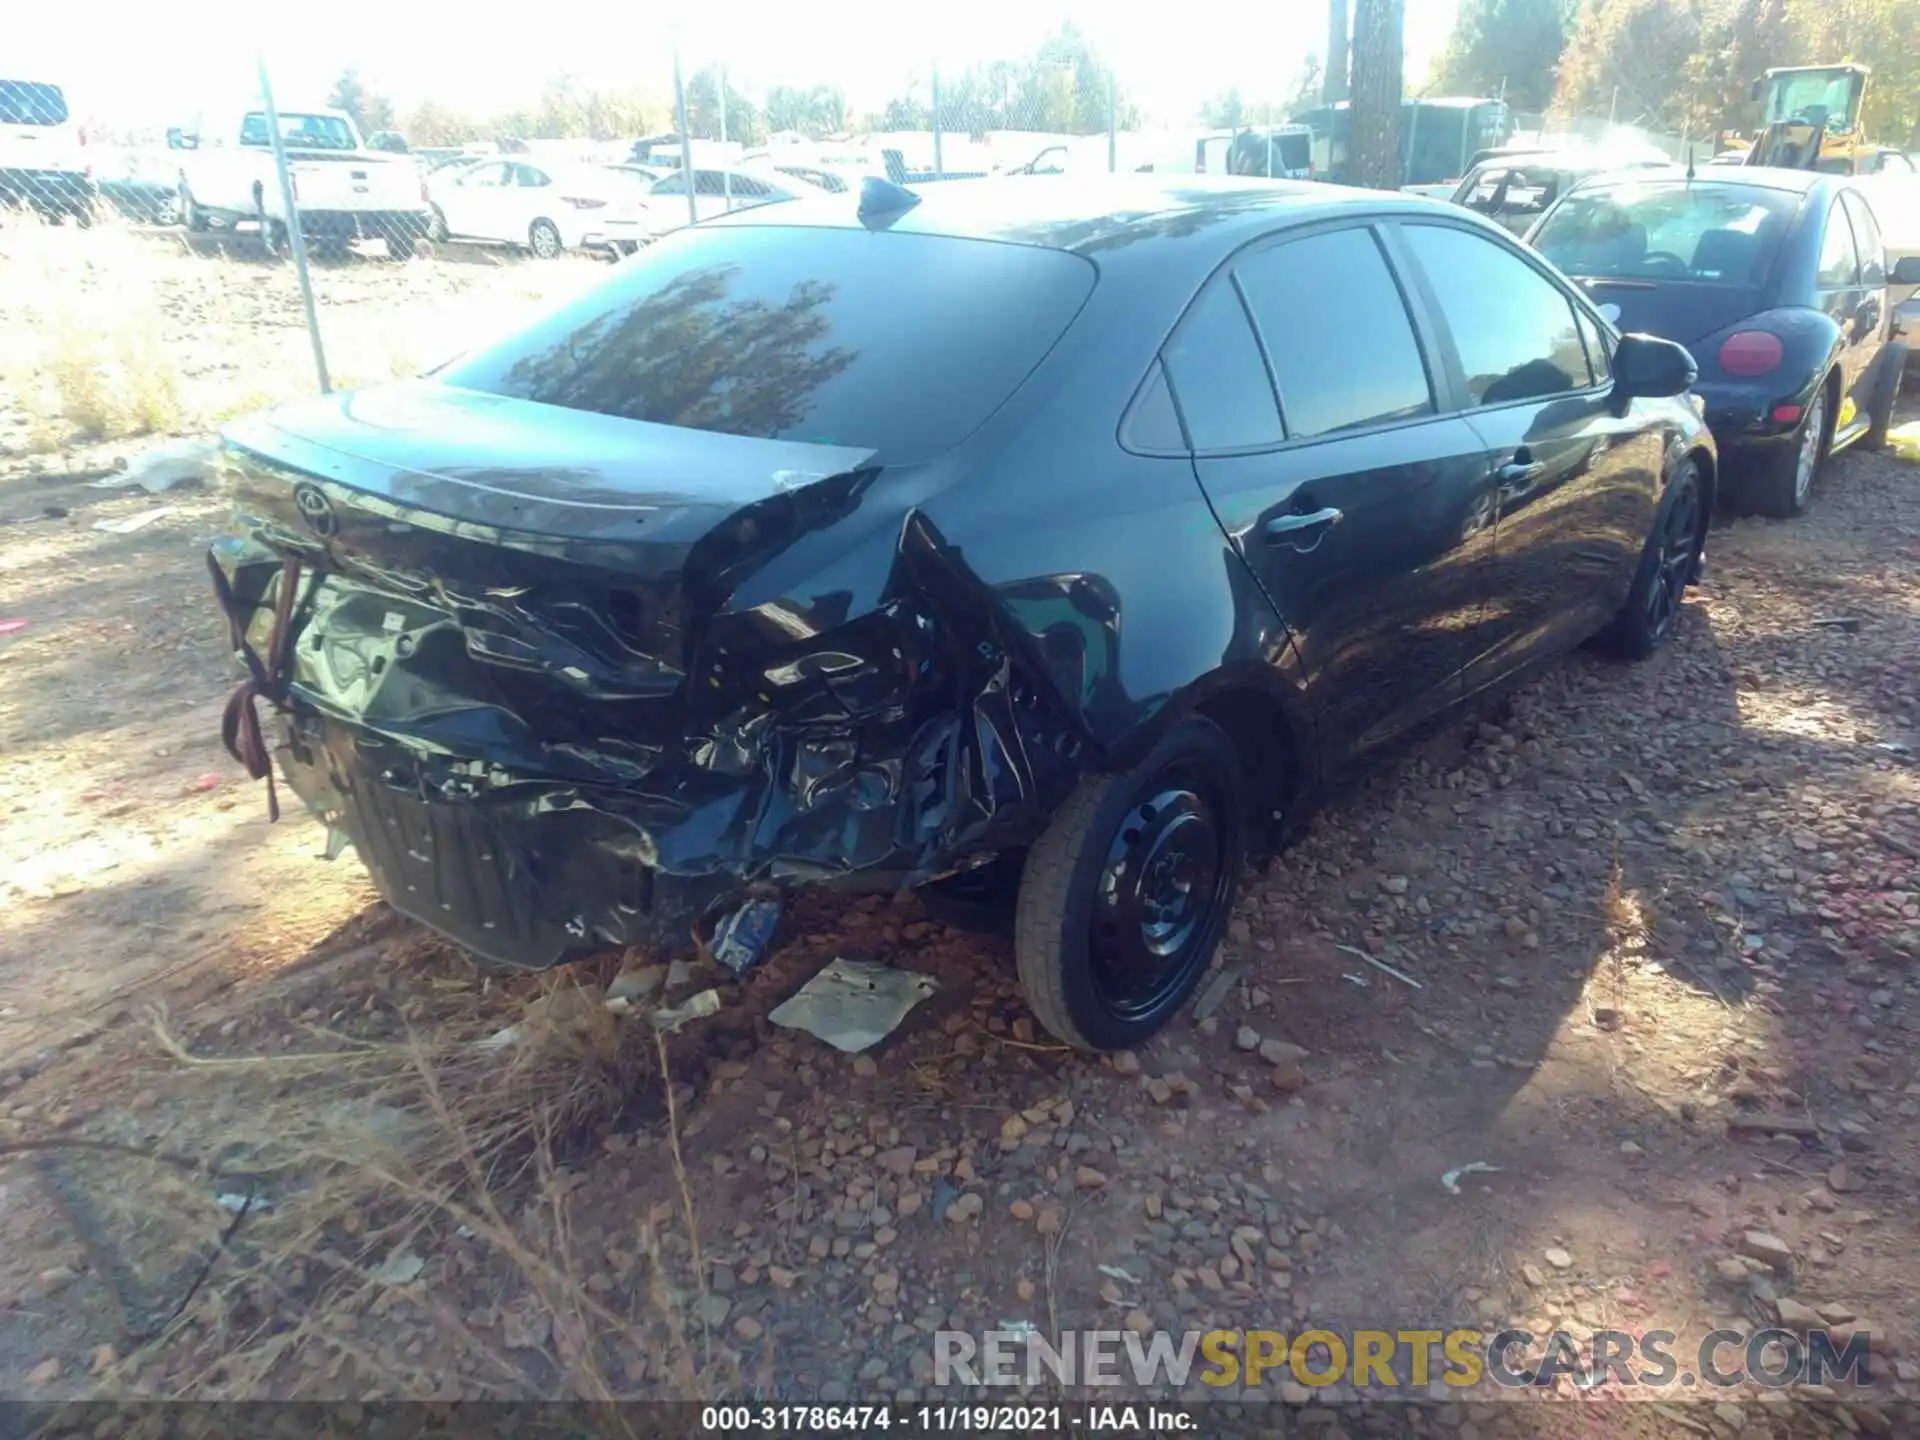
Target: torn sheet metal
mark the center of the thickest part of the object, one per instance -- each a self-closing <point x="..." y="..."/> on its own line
<point x="853" y="1004"/>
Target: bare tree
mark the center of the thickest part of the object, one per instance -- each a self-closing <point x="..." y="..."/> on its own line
<point x="1374" y="151"/>
<point x="1336" y="73"/>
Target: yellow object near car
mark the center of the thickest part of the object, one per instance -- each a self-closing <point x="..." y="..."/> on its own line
<point x="1904" y="441"/>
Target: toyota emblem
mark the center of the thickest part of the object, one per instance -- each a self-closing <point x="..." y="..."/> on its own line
<point x="316" y="510"/>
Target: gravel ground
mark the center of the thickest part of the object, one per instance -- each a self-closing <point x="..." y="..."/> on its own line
<point x="1655" y="931"/>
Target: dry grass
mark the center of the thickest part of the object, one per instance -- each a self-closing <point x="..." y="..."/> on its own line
<point x="86" y="359"/>
<point x="428" y="1151"/>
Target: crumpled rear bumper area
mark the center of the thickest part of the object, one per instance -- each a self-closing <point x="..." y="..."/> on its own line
<point x="889" y="750"/>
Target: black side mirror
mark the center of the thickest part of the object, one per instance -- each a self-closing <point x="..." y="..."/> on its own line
<point x="1906" y="270"/>
<point x="1646" y="365"/>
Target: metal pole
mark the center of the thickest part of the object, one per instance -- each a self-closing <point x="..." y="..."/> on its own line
<point x="1113" y="123"/>
<point x="294" y="237"/>
<point x="686" y="138"/>
<point x="939" y="169"/>
<point x="1613" y="110"/>
<point x="726" y="174"/>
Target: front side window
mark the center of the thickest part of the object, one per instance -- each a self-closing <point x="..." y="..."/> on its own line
<point x="529" y="178"/>
<point x="1513" y="329"/>
<point x="1337" y="332"/>
<point x="1219" y="380"/>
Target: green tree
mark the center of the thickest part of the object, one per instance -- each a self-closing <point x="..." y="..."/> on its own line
<point x="432" y="123"/>
<point x="1740" y="40"/>
<point x="1224" y="111"/>
<point x="1640" y="49"/>
<point x="745" y="123"/>
<point x="1505" y="45"/>
<point x="370" y="111"/>
<point x="816" y="111"/>
<point x="1063" y="86"/>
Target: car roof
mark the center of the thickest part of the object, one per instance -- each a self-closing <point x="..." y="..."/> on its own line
<point x="1091" y="212"/>
<point x="1755" y="177"/>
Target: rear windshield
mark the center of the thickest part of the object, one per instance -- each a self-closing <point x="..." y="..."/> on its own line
<point x="302" y="132"/>
<point x="895" y="342"/>
<point x="1714" y="234"/>
<point x="28" y="102"/>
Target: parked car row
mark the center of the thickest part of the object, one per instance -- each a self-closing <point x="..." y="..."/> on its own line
<point x="552" y="208"/>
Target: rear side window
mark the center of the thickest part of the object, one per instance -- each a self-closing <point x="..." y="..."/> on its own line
<point x="1512" y="328"/>
<point x="1866" y="235"/>
<point x="28" y="102"/>
<point x="1337" y="332"/>
<point x="1839" y="264"/>
<point x="1219" y="380"/>
<point x="1153" y="426"/>
<point x="897" y="342"/>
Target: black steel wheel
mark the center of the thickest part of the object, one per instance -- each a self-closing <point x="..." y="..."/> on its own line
<point x="1125" y="897"/>
<point x="1667" y="566"/>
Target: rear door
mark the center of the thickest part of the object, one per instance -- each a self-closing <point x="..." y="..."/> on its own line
<point x="532" y="197"/>
<point x="1359" y="504"/>
<point x="475" y="203"/>
<point x="1574" y="482"/>
<point x="1872" y="317"/>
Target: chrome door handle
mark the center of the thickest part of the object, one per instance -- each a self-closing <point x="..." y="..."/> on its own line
<point x="1312" y="524"/>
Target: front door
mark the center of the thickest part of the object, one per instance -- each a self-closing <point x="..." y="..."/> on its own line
<point x="1868" y="320"/>
<point x="1576" y="476"/>
<point x="1363" y="511"/>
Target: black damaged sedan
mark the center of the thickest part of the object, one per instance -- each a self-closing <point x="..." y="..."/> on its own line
<point x="1061" y="536"/>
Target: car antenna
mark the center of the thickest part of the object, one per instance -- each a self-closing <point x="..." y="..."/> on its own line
<point x="1689" y="160"/>
<point x="882" y="197"/>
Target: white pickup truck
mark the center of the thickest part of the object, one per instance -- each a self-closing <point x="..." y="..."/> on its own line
<point x="341" y="190"/>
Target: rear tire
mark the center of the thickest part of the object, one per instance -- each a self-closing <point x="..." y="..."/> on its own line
<point x="1652" y="610"/>
<point x="1893" y="370"/>
<point x="1125" y="897"/>
<point x="437" y="226"/>
<point x="191" y="215"/>
<point x="1783" y="483"/>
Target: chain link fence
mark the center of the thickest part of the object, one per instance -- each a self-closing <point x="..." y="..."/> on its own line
<point x="364" y="219"/>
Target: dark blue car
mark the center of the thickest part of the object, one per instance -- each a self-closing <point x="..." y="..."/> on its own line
<point x="1777" y="281"/>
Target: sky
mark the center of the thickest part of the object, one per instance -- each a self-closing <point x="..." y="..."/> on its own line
<point x="131" y="62"/>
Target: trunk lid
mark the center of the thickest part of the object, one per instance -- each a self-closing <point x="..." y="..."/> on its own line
<point x="565" y="547"/>
<point x="1674" y="309"/>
